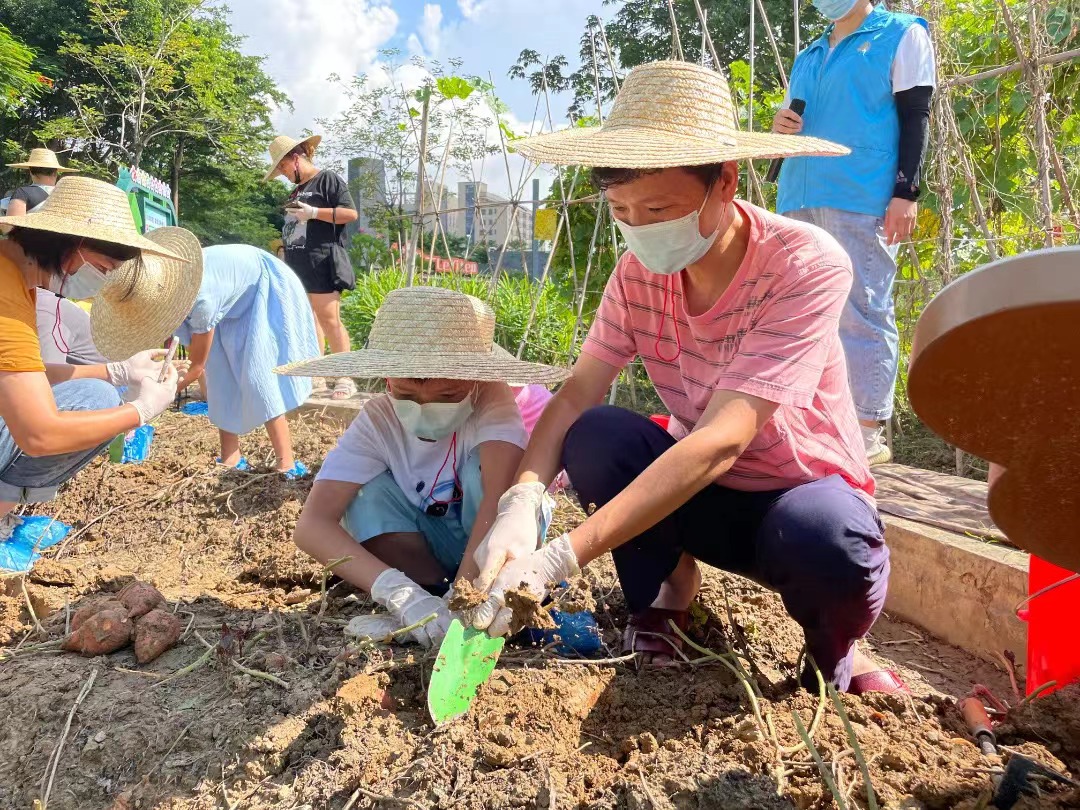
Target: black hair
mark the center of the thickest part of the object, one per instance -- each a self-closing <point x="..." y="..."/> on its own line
<point x="48" y="249"/>
<point x="603" y="178"/>
<point x="39" y="172"/>
<point x="300" y="149"/>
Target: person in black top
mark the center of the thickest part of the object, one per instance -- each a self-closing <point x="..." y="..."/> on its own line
<point x="316" y="214"/>
<point x="44" y="170"/>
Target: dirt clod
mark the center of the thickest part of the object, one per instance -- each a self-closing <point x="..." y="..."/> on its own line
<point x="526" y="610"/>
<point x="466" y="596"/>
<point x="155" y="633"/>
<point x="104" y="632"/>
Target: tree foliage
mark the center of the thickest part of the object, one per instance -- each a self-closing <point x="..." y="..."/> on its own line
<point x="159" y="84"/>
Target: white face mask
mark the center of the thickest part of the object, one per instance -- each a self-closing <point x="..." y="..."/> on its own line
<point x="84" y="283"/>
<point x="666" y="248"/>
<point x="432" y="420"/>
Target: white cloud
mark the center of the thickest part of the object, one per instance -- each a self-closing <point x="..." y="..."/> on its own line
<point x="471" y="9"/>
<point x="430" y="29"/>
<point x="306" y="42"/>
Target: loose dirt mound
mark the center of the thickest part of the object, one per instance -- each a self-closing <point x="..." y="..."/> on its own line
<point x="263" y="704"/>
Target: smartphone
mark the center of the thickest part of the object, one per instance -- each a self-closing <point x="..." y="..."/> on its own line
<point x="174" y="342"/>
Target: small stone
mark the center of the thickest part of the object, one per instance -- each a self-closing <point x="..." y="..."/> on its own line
<point x="296" y="596"/>
<point x="99" y="738"/>
<point x="933" y="736"/>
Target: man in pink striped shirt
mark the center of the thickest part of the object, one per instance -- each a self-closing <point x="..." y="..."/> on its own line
<point x="734" y="312"/>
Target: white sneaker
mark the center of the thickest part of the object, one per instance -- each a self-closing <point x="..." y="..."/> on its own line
<point x="877" y="451"/>
<point x="8" y="524"/>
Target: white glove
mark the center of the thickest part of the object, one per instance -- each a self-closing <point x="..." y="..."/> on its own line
<point x="302" y="211"/>
<point x="154" y="397"/>
<point x="516" y="531"/>
<point x="130" y="371"/>
<point x="554" y="563"/>
<point x="410" y="603"/>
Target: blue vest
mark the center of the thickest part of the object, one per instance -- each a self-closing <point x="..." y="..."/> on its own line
<point x="849" y="100"/>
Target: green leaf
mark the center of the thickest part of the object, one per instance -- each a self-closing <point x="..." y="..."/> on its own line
<point x="454" y="87"/>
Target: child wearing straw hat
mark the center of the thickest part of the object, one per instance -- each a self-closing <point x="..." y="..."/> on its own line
<point x="44" y="171"/>
<point x="415" y="482"/>
<point x="54" y="419"/>
<point x="733" y="311"/>
<point x="248" y="315"/>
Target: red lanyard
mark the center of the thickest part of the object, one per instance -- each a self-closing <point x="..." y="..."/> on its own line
<point x="457" y="484"/>
<point x="57" y="333"/>
<point x="669" y="292"/>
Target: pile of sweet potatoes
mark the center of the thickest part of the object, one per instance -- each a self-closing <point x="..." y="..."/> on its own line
<point x="112" y="621"/>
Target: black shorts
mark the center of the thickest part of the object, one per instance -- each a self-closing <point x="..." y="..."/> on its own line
<point x="323" y="272"/>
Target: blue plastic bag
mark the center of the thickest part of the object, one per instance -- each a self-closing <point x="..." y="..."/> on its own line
<point x="137" y="447"/>
<point x="35" y="533"/>
<point x="578" y="633"/>
<point x="196" y="408"/>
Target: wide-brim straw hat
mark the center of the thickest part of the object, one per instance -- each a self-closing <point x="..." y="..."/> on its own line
<point x="667" y="114"/>
<point x="82" y="206"/>
<point x="140" y="307"/>
<point x="41" y="159"/>
<point x="431" y="333"/>
<point x="283" y="144"/>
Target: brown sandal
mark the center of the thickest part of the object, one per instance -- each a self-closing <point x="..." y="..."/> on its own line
<point x="650" y="632"/>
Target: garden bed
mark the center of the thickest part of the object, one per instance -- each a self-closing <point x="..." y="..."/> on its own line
<point x="314" y="722"/>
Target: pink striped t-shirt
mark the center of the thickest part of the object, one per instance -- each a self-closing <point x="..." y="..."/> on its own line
<point x="772" y="334"/>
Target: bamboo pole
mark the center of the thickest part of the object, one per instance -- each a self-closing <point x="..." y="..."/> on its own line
<point x="417" y="240"/>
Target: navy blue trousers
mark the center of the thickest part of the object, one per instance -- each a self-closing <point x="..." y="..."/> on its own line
<point x="819" y="545"/>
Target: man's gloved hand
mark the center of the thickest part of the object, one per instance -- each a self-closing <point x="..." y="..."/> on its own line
<point x="516" y="532"/>
<point x="554" y="563"/>
<point x="131" y="371"/>
<point x="410" y="603"/>
<point x="302" y="211"/>
<point x="152" y="398"/>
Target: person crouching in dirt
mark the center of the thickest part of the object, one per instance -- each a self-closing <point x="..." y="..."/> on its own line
<point x="55" y="418"/>
<point x="734" y="312"/>
<point x="249" y="315"/>
<point x="414" y="483"/>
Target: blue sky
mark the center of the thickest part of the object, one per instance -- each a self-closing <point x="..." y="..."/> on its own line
<point x="306" y="40"/>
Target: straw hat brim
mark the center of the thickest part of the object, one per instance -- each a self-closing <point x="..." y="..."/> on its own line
<point x="495" y="366"/>
<point x="124" y="324"/>
<point x="34" y="165"/>
<point x="628" y="147"/>
<point x="310" y="142"/>
<point x="55" y="223"/>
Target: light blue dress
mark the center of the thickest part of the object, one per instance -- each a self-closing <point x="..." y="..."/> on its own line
<point x="261" y="319"/>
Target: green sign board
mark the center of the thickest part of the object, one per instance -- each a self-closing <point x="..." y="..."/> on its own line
<point x="151" y="199"/>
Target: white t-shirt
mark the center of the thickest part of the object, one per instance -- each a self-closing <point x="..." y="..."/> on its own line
<point x="913" y="63"/>
<point x="376" y="442"/>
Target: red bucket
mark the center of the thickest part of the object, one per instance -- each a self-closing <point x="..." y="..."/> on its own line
<point x="1053" y="637"/>
<point x="662" y="419"/>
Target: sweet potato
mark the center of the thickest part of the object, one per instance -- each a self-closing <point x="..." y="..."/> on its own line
<point x="96" y="605"/>
<point x="140" y="598"/>
<point x="155" y="633"/>
<point x="104" y="632"/>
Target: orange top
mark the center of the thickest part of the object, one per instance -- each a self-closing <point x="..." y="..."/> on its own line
<point x="19" y="347"/>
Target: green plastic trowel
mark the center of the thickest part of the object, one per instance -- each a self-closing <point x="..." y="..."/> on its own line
<point x="466" y="659"/>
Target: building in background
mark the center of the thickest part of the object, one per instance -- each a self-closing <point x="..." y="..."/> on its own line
<point x="488" y="219"/>
<point x="367" y="184"/>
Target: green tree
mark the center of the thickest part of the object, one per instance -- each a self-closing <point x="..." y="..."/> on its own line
<point x="18" y="81"/>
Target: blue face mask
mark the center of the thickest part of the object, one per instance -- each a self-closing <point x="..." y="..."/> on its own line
<point x="834" y="10"/>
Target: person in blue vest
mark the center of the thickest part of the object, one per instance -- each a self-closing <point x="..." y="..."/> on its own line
<point x="866" y="82"/>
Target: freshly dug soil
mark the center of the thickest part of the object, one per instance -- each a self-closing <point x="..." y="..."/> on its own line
<point x="283" y="712"/>
<point x="466" y="596"/>
<point x="527" y="611"/>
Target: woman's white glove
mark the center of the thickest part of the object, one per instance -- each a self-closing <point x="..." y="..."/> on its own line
<point x="135" y="368"/>
<point x="302" y="211"/>
<point x="550" y="565"/>
<point x="409" y="603"/>
<point x="517" y="531"/>
<point x="152" y="398"/>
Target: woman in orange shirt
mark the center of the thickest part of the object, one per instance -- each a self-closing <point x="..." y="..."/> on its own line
<point x="55" y="418"/>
